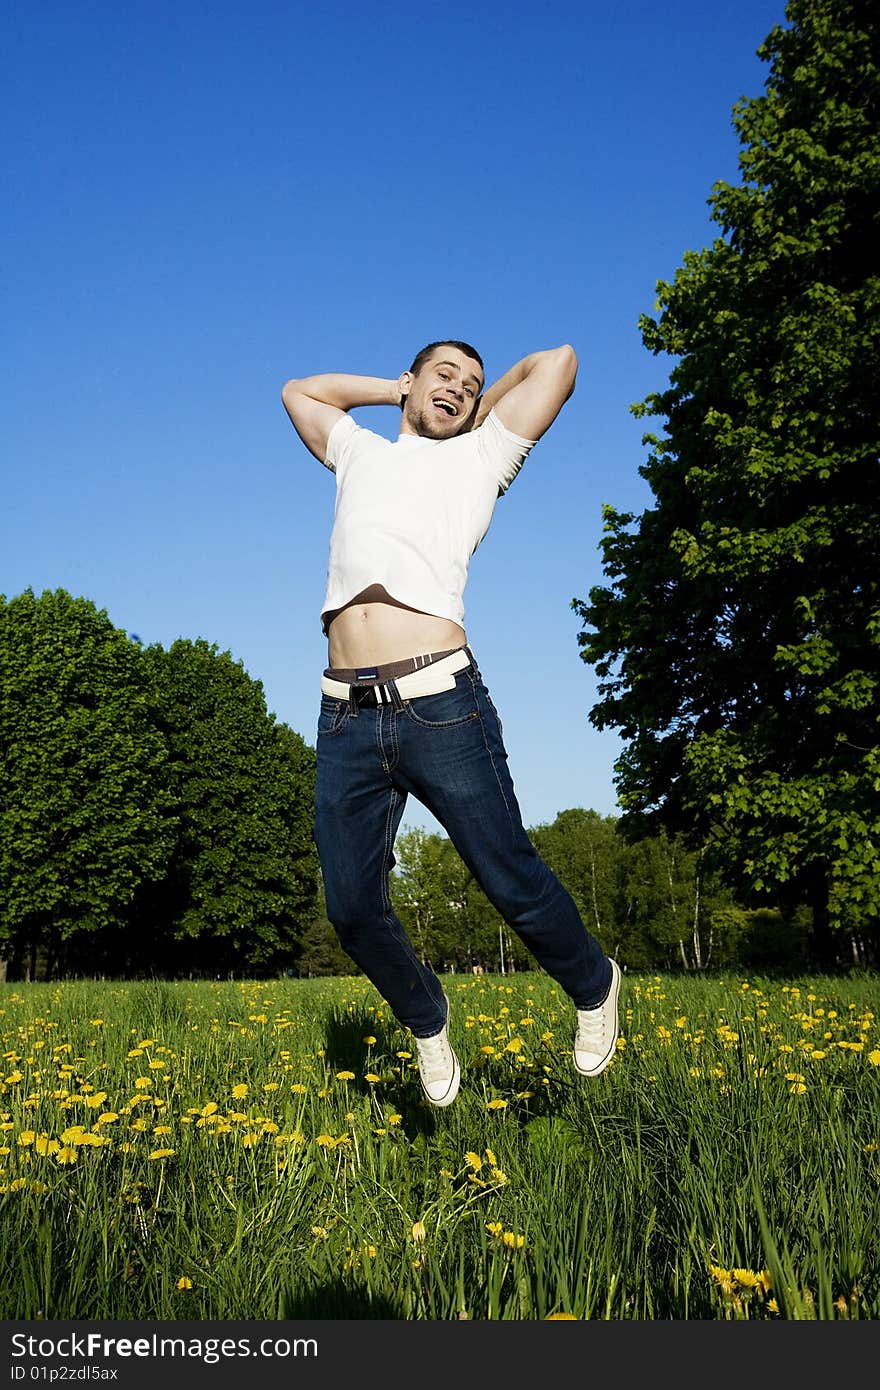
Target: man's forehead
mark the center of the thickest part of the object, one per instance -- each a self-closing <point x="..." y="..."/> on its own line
<point x="452" y="357"/>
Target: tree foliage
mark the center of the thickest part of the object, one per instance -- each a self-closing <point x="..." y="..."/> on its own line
<point x="242" y="877"/>
<point x="155" y="817"/>
<point x="738" y="639"/>
<point x="87" y="817"/>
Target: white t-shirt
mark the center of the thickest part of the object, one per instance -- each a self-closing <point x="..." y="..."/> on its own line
<point x="411" y="512"/>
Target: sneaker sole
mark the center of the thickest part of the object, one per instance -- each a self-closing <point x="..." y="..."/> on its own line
<point x="613" y="993"/>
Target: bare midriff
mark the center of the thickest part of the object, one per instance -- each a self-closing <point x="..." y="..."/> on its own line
<point x="374" y="628"/>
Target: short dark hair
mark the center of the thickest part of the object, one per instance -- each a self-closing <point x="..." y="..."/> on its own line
<point x="422" y="357"/>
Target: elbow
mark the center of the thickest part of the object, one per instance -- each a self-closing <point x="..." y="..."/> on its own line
<point x="288" y="391"/>
<point x="567" y="365"/>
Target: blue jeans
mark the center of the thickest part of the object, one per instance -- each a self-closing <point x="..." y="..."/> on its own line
<point x="447" y="751"/>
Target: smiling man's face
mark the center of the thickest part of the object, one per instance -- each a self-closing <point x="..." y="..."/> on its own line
<point x="442" y="397"/>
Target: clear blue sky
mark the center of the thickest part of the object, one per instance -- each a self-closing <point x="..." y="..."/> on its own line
<point x="203" y="200"/>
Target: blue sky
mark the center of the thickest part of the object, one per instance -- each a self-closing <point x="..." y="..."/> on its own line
<point x="205" y="200"/>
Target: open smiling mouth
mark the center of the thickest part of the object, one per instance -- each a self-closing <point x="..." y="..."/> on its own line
<point x="446" y="406"/>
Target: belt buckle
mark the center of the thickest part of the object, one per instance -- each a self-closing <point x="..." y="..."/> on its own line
<point x="365" y="696"/>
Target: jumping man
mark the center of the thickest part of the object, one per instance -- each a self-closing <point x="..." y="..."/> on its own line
<point x="404" y="710"/>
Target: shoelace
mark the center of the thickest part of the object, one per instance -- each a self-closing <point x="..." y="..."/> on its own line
<point x="435" y="1057"/>
<point x="591" y="1030"/>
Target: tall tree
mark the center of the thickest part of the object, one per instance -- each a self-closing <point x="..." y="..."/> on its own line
<point x="738" y="642"/>
<point x="242" y="881"/>
<point x="582" y="848"/>
<point x="85" y="815"/>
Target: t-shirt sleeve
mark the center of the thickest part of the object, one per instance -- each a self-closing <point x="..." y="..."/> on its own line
<point x="339" y="442"/>
<point x="504" y="452"/>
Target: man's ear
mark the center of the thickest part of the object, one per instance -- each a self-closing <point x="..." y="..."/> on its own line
<point x="404" y="385"/>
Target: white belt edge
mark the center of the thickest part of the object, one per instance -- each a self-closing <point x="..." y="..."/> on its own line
<point x="430" y="680"/>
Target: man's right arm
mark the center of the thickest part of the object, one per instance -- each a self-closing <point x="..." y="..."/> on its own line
<point x="315" y="403"/>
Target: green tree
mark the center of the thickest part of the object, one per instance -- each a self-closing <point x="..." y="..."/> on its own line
<point x="582" y="848"/>
<point x="447" y="915"/>
<point x="738" y="641"/>
<point x="85" y="815"/>
<point x="671" y="910"/>
<point x="242" y="880"/>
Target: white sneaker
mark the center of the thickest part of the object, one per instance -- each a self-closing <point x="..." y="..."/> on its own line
<point x="439" y="1071"/>
<point x="595" y="1041"/>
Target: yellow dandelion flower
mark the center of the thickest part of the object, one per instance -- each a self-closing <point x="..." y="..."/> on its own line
<point x="874" y="1057"/>
<point x="419" y="1233"/>
<point x="797" y="1089"/>
<point x="499" y="1177"/>
<point x="491" y="1159"/>
<point x="250" y="1139"/>
<point x="319" y="1232"/>
<point x="161" y="1153"/>
<point x="106" y="1118"/>
<point x="394" y="1120"/>
<point x="722" y="1277"/>
<point x="494" y="1228"/>
<point x="26" y="1137"/>
<point x="496" y="1104"/>
<point x="513" y="1241"/>
<point x="240" y="1091"/>
<point x="747" y="1277"/>
<point x="157" y="1064"/>
<point x="66" y="1154"/>
<point x="44" y="1145"/>
<point x="404" y="1055"/>
<point x="17" y="1184"/>
<point x="98" y="1098"/>
<point x="369" y="1040"/>
<point x="184" y="1283"/>
<point x="772" y="1305"/>
<point x="161" y="1129"/>
<point x="325" y="1141"/>
<point x="345" y="1076"/>
<point x="298" y="1088"/>
<point x="473" y="1161"/>
<point x="561" y="1317"/>
<point x="515" y="1045"/>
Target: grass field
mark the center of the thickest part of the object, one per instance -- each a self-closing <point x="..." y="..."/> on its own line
<point x="262" y="1151"/>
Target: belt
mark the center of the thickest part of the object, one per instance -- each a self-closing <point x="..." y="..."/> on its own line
<point x="430" y="680"/>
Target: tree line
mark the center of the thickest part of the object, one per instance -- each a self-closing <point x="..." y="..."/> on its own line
<point x="155" y="817"/>
<point x="157" y="820"/>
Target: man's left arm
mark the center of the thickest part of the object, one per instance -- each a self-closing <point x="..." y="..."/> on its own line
<point x="529" y="396"/>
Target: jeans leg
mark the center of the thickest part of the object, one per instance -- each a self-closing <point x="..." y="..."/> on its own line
<point x="358" y="809"/>
<point x="453" y="759"/>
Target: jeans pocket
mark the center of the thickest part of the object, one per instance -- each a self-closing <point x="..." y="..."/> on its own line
<point x="333" y="716"/>
<point x="445" y="709"/>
